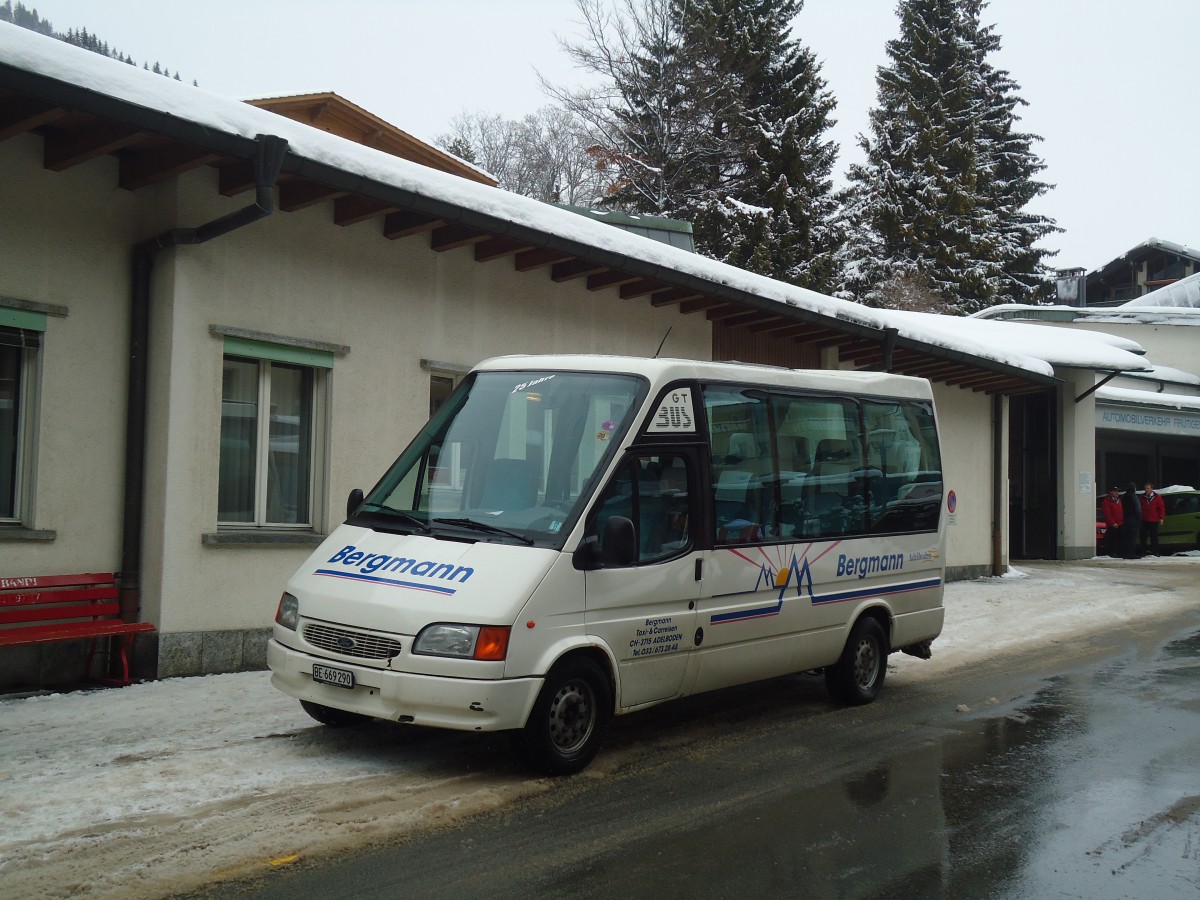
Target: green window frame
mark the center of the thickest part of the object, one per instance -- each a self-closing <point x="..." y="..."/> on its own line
<point x="270" y="460"/>
<point x="20" y="342"/>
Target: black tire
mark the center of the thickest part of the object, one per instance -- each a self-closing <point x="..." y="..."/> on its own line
<point x="857" y="678"/>
<point x="334" y="718"/>
<point x="568" y="719"/>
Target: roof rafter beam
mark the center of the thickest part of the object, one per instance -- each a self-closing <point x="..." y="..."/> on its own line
<point x="672" y="296"/>
<point x="700" y="304"/>
<point x="63" y="149"/>
<point x="403" y="224"/>
<point x="354" y="208"/>
<point x="153" y="166"/>
<point x="451" y="237"/>
<point x="611" y="278"/>
<point x="298" y="195"/>
<point x="575" y="268"/>
<point x="499" y="247"/>
<point x="744" y="317"/>
<point x="640" y="288"/>
<point x="21" y="114"/>
<point x="528" y="260"/>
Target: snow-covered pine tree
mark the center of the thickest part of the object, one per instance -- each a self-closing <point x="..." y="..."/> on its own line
<point x="1013" y="182"/>
<point x="767" y="205"/>
<point x="941" y="194"/>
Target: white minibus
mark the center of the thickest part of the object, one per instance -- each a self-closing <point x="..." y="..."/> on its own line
<point x="573" y="537"/>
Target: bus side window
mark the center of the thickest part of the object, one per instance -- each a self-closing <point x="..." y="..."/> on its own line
<point x="906" y="476"/>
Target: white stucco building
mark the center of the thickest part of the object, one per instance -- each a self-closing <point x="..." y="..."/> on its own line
<point x="215" y="321"/>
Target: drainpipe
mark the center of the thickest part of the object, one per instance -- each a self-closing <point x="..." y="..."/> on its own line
<point x="998" y="477"/>
<point x="268" y="160"/>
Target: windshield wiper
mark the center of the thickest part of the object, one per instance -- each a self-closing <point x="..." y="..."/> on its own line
<point x="401" y="514"/>
<point x="485" y="527"/>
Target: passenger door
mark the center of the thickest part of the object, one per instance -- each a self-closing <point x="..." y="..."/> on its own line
<point x="645" y="612"/>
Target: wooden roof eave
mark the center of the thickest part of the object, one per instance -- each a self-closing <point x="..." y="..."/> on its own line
<point x="125" y="119"/>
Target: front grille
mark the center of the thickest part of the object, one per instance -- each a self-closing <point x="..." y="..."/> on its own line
<point x="349" y="642"/>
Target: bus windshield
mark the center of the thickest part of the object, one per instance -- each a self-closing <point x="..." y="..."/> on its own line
<point x="510" y="457"/>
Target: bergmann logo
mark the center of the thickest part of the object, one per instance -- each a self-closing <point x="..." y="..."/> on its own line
<point x="356" y="565"/>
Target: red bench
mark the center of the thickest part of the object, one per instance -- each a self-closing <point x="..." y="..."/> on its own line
<point x="42" y="608"/>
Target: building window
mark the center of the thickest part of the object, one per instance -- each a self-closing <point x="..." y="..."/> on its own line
<point x="440" y="389"/>
<point x="18" y="349"/>
<point x="269" y="422"/>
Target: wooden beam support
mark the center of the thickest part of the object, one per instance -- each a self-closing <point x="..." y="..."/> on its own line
<point x="21" y="114"/>
<point x="640" y="288"/>
<point x="403" y="224"/>
<point x="747" y="318"/>
<point x="451" y="237"/>
<point x="528" y="260"/>
<point x="859" y="353"/>
<point x="970" y="379"/>
<point x="354" y="208"/>
<point x="831" y="339"/>
<point x="63" y="149"/>
<point x="700" y="304"/>
<point x="297" y="195"/>
<point x="725" y="311"/>
<point x="611" y="278"/>
<point x="575" y="268"/>
<point x="672" y="296"/>
<point x="146" y="167"/>
<point x="794" y="331"/>
<point x="498" y="248"/>
<point x="776" y="323"/>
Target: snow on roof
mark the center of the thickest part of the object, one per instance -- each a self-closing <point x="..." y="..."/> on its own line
<point x="1145" y="248"/>
<point x="1148" y="398"/>
<point x="1057" y="346"/>
<point x="1183" y="294"/>
<point x="1167" y="374"/>
<point x="1025" y="349"/>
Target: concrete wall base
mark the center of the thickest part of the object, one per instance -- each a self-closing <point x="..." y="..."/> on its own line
<point x="967" y="573"/>
<point x="62" y="665"/>
<point x="1077" y="552"/>
<point x="185" y="653"/>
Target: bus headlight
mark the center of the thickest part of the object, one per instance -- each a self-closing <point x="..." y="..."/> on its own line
<point x="288" y="613"/>
<point x="486" y="642"/>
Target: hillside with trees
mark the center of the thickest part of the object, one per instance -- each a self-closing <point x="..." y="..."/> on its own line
<point x="23" y="16"/>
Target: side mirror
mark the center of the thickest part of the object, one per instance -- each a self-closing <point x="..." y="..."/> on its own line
<point x="353" y="502"/>
<point x="620" y="542"/>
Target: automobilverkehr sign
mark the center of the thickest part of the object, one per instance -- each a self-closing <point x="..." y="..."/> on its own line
<point x="1145" y="420"/>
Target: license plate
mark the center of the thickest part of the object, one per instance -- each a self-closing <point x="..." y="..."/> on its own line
<point x="337" y="677"/>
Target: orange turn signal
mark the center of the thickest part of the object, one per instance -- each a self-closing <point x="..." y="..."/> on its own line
<point x="492" y="643"/>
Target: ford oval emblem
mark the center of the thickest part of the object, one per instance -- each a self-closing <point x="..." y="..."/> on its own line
<point x="347" y="643"/>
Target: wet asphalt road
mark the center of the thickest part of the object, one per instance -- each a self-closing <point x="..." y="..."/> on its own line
<point x="1068" y="773"/>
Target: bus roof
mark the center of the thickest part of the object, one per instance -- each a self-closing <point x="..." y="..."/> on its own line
<point x="662" y="371"/>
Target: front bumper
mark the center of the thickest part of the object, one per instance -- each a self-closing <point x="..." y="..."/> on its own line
<point x="462" y="704"/>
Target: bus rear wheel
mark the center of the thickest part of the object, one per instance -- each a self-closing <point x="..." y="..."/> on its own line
<point x="568" y="719"/>
<point x="857" y="677"/>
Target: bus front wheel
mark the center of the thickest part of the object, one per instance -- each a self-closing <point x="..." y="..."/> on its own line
<point x="857" y="677"/>
<point x="568" y="719"/>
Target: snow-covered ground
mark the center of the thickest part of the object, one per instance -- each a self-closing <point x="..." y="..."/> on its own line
<point x="161" y="787"/>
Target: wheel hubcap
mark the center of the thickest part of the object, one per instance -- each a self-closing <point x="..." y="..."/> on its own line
<point x="866" y="664"/>
<point x="572" y="716"/>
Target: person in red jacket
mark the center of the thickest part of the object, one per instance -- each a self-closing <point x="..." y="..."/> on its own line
<point x="1114" y="518"/>
<point x="1153" y="512"/>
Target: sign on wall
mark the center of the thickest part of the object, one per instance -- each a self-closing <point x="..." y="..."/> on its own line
<point x="1147" y="420"/>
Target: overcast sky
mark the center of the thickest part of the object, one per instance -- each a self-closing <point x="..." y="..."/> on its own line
<point x="1110" y="83"/>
